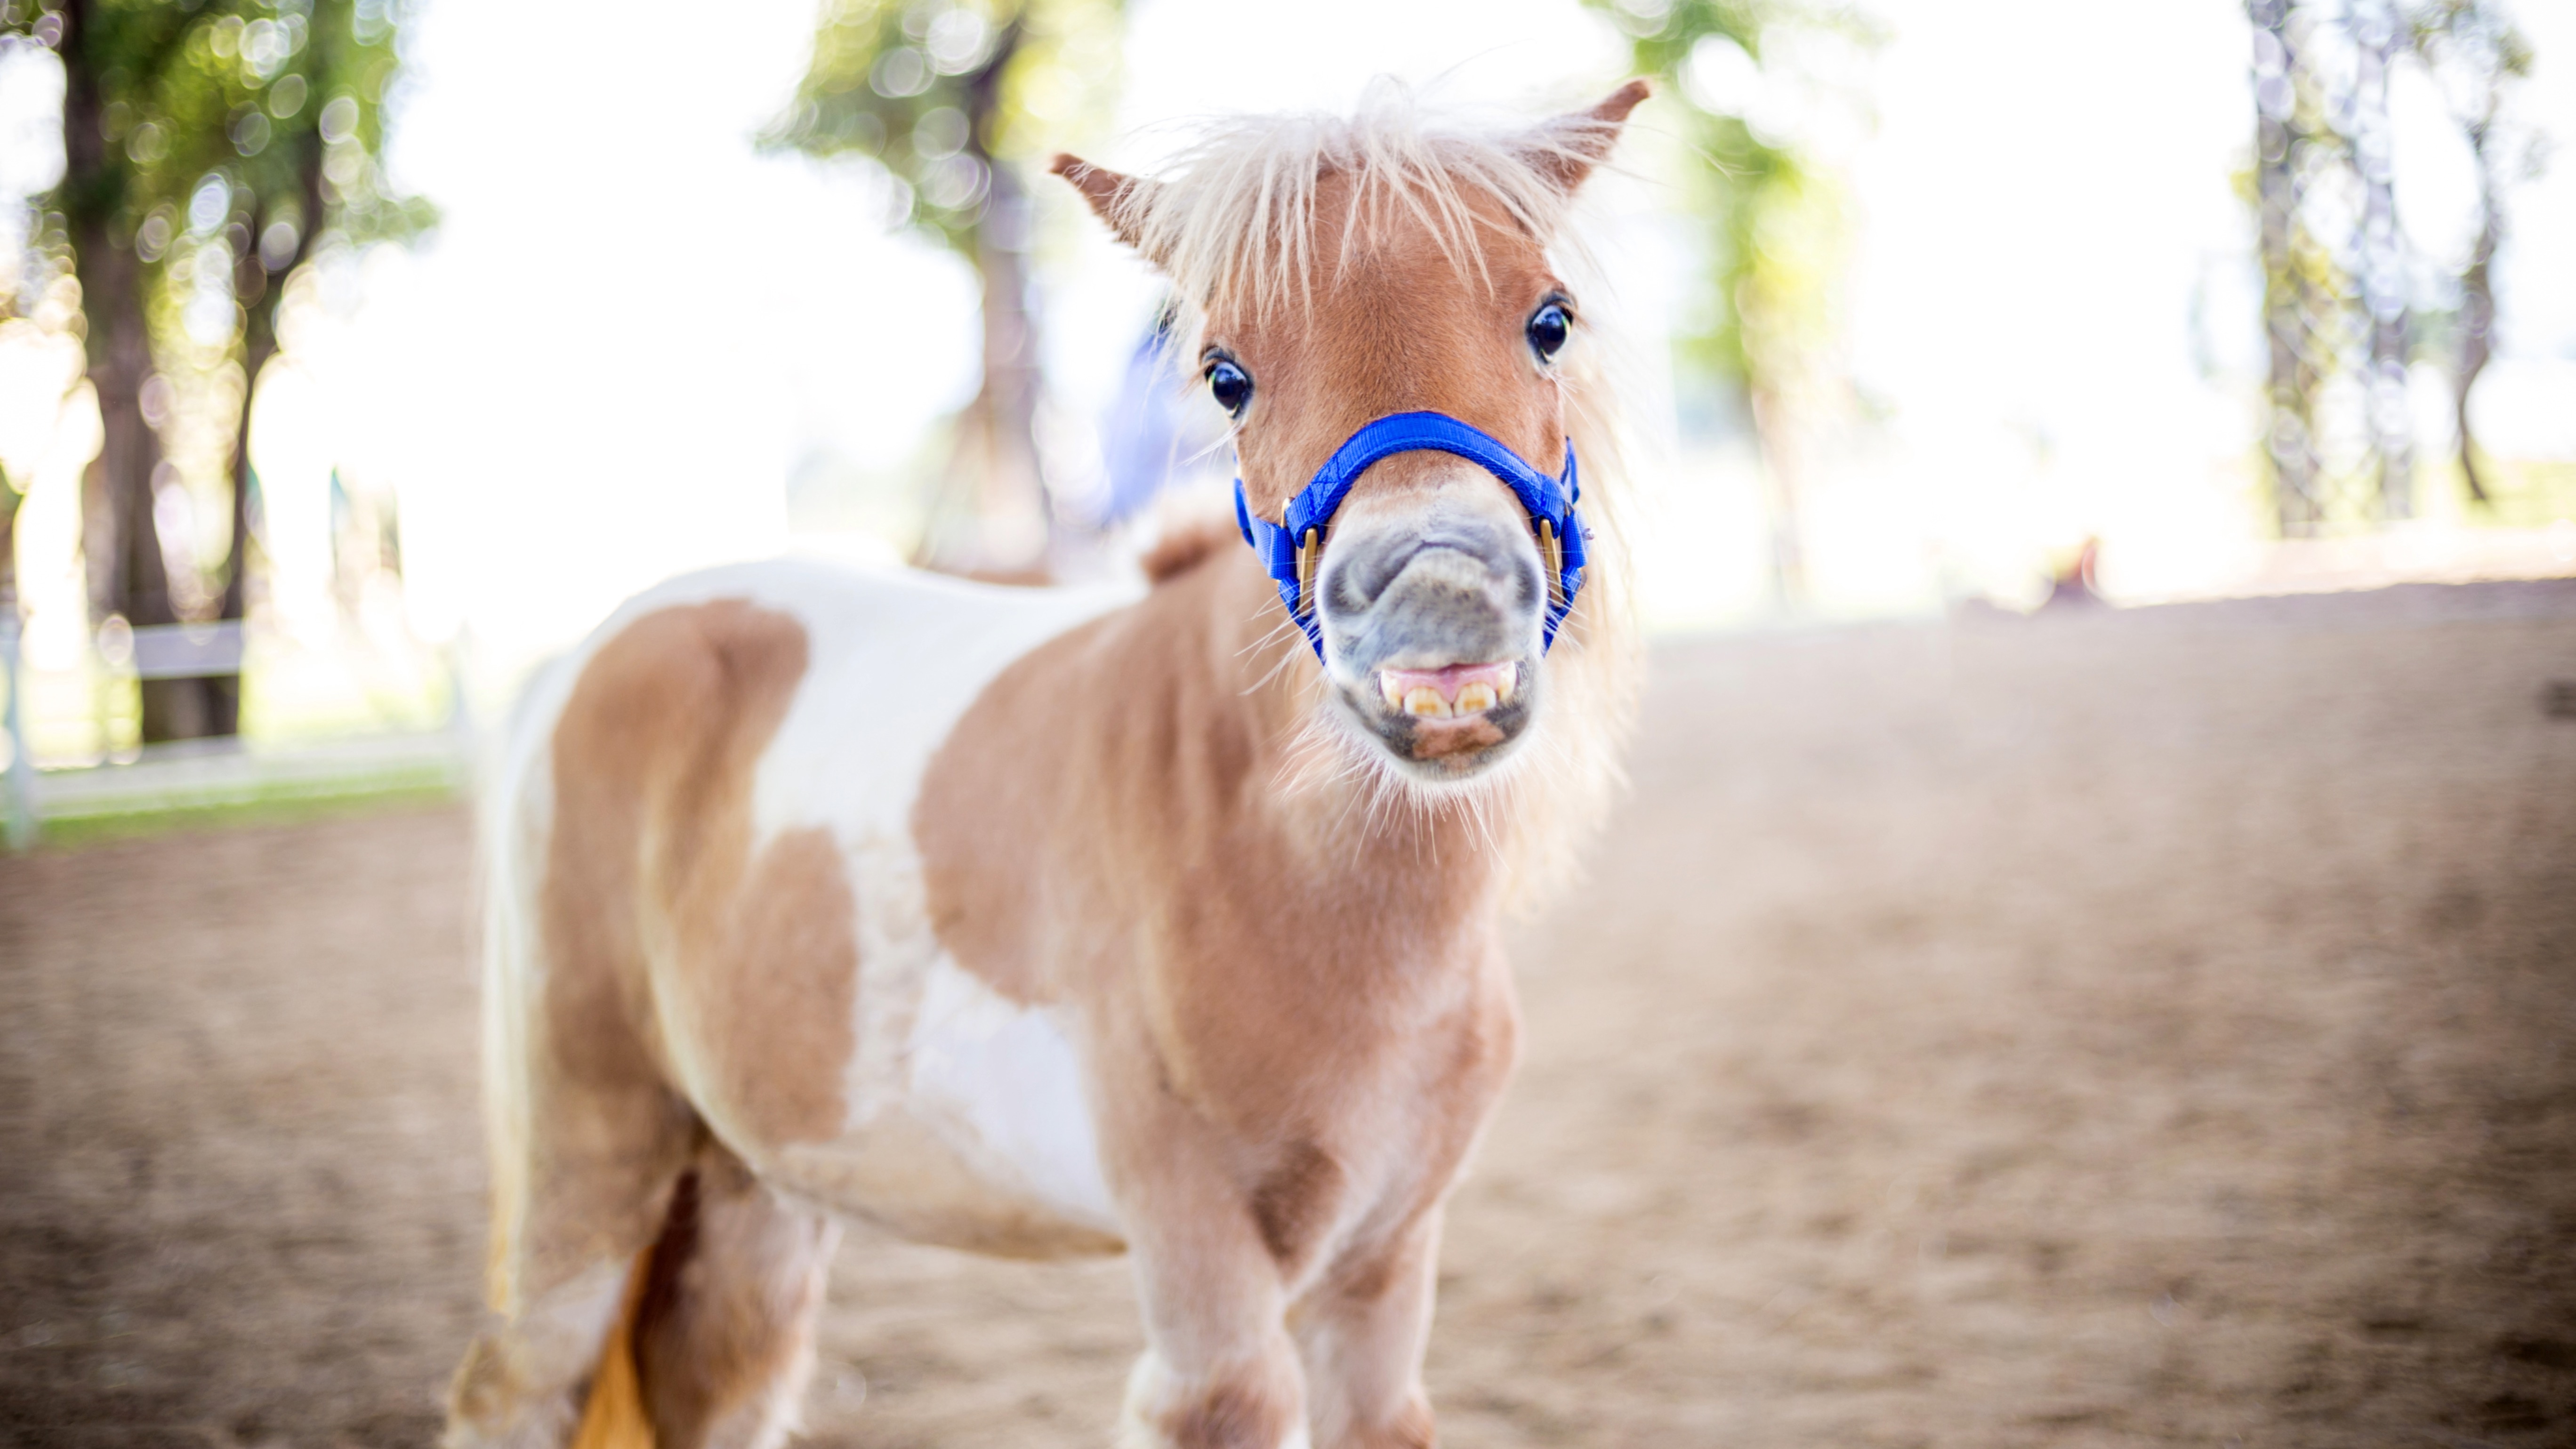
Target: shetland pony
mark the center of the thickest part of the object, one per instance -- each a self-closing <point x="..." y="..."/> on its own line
<point x="1044" y="923"/>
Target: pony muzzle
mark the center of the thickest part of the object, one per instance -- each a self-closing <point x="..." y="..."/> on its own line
<point x="1435" y="645"/>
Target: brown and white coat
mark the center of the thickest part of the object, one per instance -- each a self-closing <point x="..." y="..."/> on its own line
<point x="1055" y="922"/>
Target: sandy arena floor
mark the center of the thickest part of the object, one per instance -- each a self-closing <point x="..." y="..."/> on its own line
<point x="2106" y="1029"/>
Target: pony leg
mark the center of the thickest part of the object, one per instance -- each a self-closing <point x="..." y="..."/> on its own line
<point x="1220" y="1371"/>
<point x="1363" y="1330"/>
<point x="723" y="1327"/>
<point x="1210" y="1385"/>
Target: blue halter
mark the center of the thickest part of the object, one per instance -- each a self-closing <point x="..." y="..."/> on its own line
<point x="1288" y="549"/>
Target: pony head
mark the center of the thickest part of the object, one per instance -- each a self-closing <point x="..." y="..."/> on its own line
<point x="1341" y="270"/>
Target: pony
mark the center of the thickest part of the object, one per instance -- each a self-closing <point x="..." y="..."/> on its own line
<point x="1160" y="918"/>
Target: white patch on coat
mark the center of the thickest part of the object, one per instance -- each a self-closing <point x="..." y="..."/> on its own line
<point x="893" y="660"/>
<point x="1003" y="1085"/>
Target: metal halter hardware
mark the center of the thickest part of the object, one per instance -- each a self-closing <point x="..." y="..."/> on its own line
<point x="1289" y="548"/>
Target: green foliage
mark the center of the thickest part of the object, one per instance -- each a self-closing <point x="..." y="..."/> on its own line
<point x="208" y="146"/>
<point x="1774" y="217"/>
<point x="940" y="91"/>
<point x="280" y="102"/>
<point x="2472" y="33"/>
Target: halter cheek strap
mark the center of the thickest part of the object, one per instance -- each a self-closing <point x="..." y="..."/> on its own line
<point x="1290" y="548"/>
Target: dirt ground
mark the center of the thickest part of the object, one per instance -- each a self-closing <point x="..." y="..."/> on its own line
<point x="2116" y="1028"/>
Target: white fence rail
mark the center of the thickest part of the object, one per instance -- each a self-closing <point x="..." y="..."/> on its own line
<point x="201" y="773"/>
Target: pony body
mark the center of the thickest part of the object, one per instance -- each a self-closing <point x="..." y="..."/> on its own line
<point x="1046" y="922"/>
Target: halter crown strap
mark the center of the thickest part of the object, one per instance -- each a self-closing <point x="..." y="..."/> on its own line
<point x="1287" y="548"/>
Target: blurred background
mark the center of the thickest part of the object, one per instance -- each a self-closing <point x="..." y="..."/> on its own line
<point x="387" y="345"/>
<point x="2088" y="956"/>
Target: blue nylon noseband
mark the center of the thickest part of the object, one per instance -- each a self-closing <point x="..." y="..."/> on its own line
<point x="1288" y="548"/>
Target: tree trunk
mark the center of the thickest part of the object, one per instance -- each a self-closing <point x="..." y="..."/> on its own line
<point x="223" y="691"/>
<point x="127" y="574"/>
<point x="2380" y="31"/>
<point x="2289" y="432"/>
<point x="1014" y="503"/>
<point x="260" y="294"/>
<point x="9" y="501"/>
<point x="2477" y="298"/>
<point x="993" y="521"/>
<point x="1782" y="457"/>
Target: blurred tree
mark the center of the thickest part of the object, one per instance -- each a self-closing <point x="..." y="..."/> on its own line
<point x="949" y="98"/>
<point x="2475" y="51"/>
<point x="1775" y="224"/>
<point x="2379" y="254"/>
<point x="207" y="145"/>
<point x="12" y="493"/>
<point x="2337" y="312"/>
<point x="2321" y="129"/>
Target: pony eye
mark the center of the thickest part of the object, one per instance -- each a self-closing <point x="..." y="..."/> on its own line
<point x="1230" y="385"/>
<point x="1548" y="329"/>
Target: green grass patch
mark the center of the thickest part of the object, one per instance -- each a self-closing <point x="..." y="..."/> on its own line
<point x="282" y="808"/>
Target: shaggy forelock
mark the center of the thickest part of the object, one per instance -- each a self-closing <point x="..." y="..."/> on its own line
<point x="1233" y="221"/>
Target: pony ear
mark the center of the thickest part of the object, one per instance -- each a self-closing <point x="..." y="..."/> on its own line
<point x="1567" y="148"/>
<point x="1116" y="199"/>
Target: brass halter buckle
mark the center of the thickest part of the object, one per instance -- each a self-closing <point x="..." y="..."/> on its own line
<point x="1307" y="552"/>
<point x="1552" y="549"/>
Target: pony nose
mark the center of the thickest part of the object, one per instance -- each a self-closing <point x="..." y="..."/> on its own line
<point x="1466" y="553"/>
<point x="1465" y="591"/>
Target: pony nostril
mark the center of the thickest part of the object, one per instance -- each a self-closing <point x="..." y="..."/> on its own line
<point x="1436" y="608"/>
<point x="1478" y="564"/>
